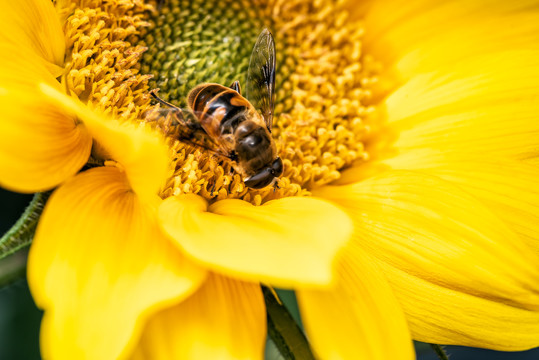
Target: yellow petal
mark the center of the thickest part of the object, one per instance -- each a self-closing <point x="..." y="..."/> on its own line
<point x="361" y="307"/>
<point x="40" y="144"/>
<point x="508" y="189"/>
<point x="473" y="110"/>
<point x="99" y="266"/>
<point x="285" y="242"/>
<point x="431" y="229"/>
<point x="34" y="25"/>
<point x="476" y="126"/>
<point x="422" y="35"/>
<point x="440" y="315"/>
<point x="139" y="150"/>
<point x="224" y="319"/>
<point x="22" y="69"/>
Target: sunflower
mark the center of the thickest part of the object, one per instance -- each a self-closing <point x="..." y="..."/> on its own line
<point x="406" y="208"/>
<point x="47" y="137"/>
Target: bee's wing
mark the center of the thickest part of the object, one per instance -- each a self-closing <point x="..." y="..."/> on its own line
<point x="187" y="129"/>
<point x="260" y="87"/>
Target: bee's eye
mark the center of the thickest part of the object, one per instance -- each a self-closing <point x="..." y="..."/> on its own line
<point x="277" y="167"/>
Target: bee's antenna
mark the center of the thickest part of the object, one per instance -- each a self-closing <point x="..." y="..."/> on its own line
<point x="158" y="99"/>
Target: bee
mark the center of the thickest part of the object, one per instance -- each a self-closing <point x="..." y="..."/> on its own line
<point x="237" y="128"/>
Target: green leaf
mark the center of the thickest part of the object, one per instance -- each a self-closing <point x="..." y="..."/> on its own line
<point x="284" y="331"/>
<point x="22" y="233"/>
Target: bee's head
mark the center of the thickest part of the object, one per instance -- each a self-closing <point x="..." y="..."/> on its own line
<point x="266" y="175"/>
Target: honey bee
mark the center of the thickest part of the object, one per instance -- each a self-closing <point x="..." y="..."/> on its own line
<point x="234" y="127"/>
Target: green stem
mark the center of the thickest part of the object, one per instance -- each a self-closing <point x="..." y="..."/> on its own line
<point x="284" y="331"/>
<point x="22" y="233"/>
<point x="438" y="349"/>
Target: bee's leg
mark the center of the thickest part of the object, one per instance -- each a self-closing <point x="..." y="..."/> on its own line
<point x="212" y="189"/>
<point x="276" y="185"/>
<point x="236" y="86"/>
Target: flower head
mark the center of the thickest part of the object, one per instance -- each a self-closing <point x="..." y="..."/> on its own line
<point x="404" y="203"/>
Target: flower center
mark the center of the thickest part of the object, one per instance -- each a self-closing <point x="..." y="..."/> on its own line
<point x="323" y="80"/>
<point x="102" y="60"/>
<point x="194" y="42"/>
<point x="322" y="84"/>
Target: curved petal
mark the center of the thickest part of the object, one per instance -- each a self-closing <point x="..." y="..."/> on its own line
<point x="431" y="229"/>
<point x="473" y="109"/>
<point x="476" y="126"/>
<point x="361" y="307"/>
<point x="285" y="242"/>
<point x="508" y="189"/>
<point x="99" y="266"/>
<point x="467" y="113"/>
<point x="461" y="319"/>
<point x="422" y="35"/>
<point x="34" y="25"/>
<point x="141" y="151"/>
<point x="40" y="144"/>
<point x="22" y="69"/>
<point x="224" y="319"/>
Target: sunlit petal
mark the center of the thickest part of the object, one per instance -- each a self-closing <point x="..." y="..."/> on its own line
<point x="99" y="261"/>
<point x="35" y="25"/>
<point x="477" y="127"/>
<point x="423" y="35"/>
<point x="40" y="145"/>
<point x="440" y="315"/>
<point x="224" y="319"/>
<point x="139" y="150"/>
<point x="284" y="242"/>
<point x="22" y="69"/>
<point x="361" y="307"/>
<point x="474" y="110"/>
<point x="431" y="229"/>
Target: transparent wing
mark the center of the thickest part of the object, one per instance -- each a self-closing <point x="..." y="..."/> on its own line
<point x="260" y="87"/>
<point x="183" y="124"/>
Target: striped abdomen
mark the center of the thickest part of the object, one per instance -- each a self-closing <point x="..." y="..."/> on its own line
<point x="229" y="119"/>
<point x="220" y="109"/>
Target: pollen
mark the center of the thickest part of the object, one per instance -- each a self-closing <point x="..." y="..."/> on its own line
<point x="122" y="50"/>
<point x="102" y="67"/>
<point x="324" y="119"/>
<point x="323" y="116"/>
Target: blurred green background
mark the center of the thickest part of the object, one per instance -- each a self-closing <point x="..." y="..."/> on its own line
<point x="19" y="318"/>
